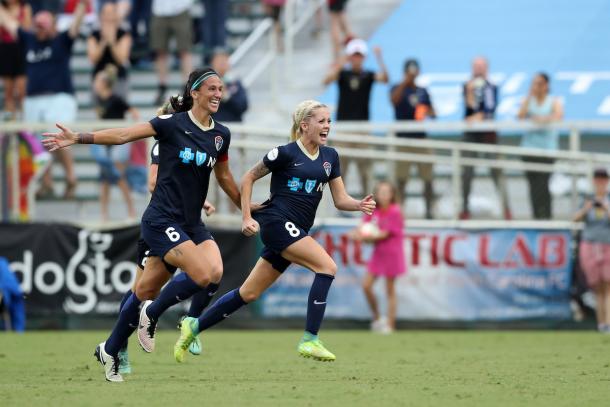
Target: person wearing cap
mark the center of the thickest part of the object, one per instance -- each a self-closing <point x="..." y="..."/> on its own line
<point x="481" y="100"/>
<point x="50" y="92"/>
<point x="355" y="84"/>
<point x="412" y="102"/>
<point x="594" y="250"/>
<point x="541" y="108"/>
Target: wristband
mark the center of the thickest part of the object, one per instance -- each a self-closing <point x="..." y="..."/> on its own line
<point x="85" y="138"/>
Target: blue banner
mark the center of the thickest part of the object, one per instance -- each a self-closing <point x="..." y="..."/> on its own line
<point x="452" y="275"/>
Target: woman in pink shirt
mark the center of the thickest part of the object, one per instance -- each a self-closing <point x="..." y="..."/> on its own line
<point x="384" y="228"/>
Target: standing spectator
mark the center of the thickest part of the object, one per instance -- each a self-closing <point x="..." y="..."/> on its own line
<point x="594" y="253"/>
<point x="273" y="9"/>
<point x="11" y="299"/>
<point x="139" y="22"/>
<point x="109" y="46"/>
<point x="412" y="102"/>
<point x="384" y="229"/>
<point x="234" y="101"/>
<point x="12" y="63"/>
<point x="481" y="100"/>
<point x="542" y="109"/>
<point x="355" y="84"/>
<point x="113" y="160"/>
<point x="171" y="19"/>
<point x="340" y="32"/>
<point x="214" y="26"/>
<point x="50" y="93"/>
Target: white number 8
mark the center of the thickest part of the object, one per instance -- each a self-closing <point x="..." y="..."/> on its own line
<point x="172" y="234"/>
<point x="292" y="229"/>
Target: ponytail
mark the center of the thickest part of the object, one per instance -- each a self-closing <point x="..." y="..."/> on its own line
<point x="303" y="112"/>
<point x="184" y="102"/>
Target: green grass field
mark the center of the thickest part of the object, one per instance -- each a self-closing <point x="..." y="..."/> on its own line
<point x="261" y="368"/>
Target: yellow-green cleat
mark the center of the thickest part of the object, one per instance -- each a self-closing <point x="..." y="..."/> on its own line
<point x="187" y="336"/>
<point x="315" y="349"/>
<point x="195" y="347"/>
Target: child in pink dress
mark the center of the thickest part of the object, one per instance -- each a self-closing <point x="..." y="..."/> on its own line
<point x="388" y="259"/>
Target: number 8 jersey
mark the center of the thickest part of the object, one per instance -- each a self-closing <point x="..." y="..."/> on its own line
<point x="298" y="180"/>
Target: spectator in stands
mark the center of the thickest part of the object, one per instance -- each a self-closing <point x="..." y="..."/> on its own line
<point x="171" y="19"/>
<point x="340" y="32"/>
<point x="541" y="108"/>
<point x="355" y="84"/>
<point x="594" y="253"/>
<point x="273" y="8"/>
<point x="234" y="101"/>
<point x="481" y="100"/>
<point x="113" y="160"/>
<point x="12" y="63"/>
<point x="110" y="46"/>
<point x="11" y="300"/>
<point x="412" y="102"/>
<point x="214" y="26"/>
<point x="384" y="229"/>
<point x="50" y="93"/>
<point x="139" y="21"/>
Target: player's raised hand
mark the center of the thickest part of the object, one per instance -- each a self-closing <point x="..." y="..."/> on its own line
<point x="367" y="205"/>
<point x="55" y="141"/>
<point x="249" y="227"/>
<point x="208" y="208"/>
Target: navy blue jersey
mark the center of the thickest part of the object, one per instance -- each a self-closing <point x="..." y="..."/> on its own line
<point x="189" y="153"/>
<point x="154" y="154"/>
<point x="298" y="180"/>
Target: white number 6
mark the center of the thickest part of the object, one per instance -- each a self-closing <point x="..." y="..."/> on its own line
<point x="292" y="229"/>
<point x="172" y="234"/>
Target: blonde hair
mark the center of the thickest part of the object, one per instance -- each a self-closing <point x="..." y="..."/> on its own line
<point x="166" y="108"/>
<point x="303" y="112"/>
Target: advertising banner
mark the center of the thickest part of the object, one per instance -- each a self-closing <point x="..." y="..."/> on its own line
<point x="452" y="275"/>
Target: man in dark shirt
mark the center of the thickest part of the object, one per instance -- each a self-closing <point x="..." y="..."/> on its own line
<point x="481" y="100"/>
<point x="50" y="93"/>
<point x="412" y="102"/>
<point x="355" y="84"/>
<point x="234" y="101"/>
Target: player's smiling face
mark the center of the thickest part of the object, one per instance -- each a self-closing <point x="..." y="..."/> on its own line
<point x="209" y="94"/>
<point x="317" y="127"/>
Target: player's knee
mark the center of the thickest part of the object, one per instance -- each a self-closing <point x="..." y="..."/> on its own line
<point x="145" y="292"/>
<point x="330" y="268"/>
<point x="202" y="279"/>
<point x="248" y="295"/>
<point x="216" y="273"/>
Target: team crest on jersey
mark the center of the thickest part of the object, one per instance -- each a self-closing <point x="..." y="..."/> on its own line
<point x="200" y="158"/>
<point x="218" y="142"/>
<point x="327" y="166"/>
<point x="310" y="184"/>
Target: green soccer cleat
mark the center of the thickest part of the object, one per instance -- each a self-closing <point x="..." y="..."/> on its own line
<point x="195" y="346"/>
<point x="315" y="349"/>
<point x="187" y="336"/>
<point x="124" y="365"/>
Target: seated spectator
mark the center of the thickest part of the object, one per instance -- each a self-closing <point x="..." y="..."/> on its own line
<point x="412" y="102"/>
<point x="171" y="19"/>
<point x="48" y="54"/>
<point x="541" y="108"/>
<point x="12" y="63"/>
<point x="113" y="160"/>
<point x="594" y="253"/>
<point x="234" y="101"/>
<point x="110" y="45"/>
<point x="355" y="84"/>
<point x="214" y="27"/>
<point x="481" y="100"/>
<point x="139" y="22"/>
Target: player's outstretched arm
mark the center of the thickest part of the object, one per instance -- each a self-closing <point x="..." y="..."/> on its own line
<point x="344" y="202"/>
<point x="249" y="226"/>
<point x="225" y="179"/>
<point x="66" y="137"/>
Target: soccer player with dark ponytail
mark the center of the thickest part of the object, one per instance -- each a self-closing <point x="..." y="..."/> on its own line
<point x="191" y="145"/>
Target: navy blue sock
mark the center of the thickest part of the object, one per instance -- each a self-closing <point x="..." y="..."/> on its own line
<point x="201" y="300"/>
<point x="125" y="325"/>
<point x="316" y="303"/>
<point x="179" y="289"/>
<point x="123" y="301"/>
<point x="225" y="306"/>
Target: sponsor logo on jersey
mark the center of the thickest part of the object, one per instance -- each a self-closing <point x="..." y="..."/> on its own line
<point x="218" y="142"/>
<point x="272" y="155"/>
<point x="310" y="184"/>
<point x="295" y="184"/>
<point x="200" y="158"/>
<point x="327" y="167"/>
<point x="186" y="155"/>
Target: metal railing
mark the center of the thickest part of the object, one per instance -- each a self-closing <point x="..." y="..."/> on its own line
<point x="385" y="148"/>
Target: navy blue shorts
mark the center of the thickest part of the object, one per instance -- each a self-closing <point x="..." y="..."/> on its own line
<point x="162" y="236"/>
<point x="277" y="233"/>
<point x="144" y="253"/>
